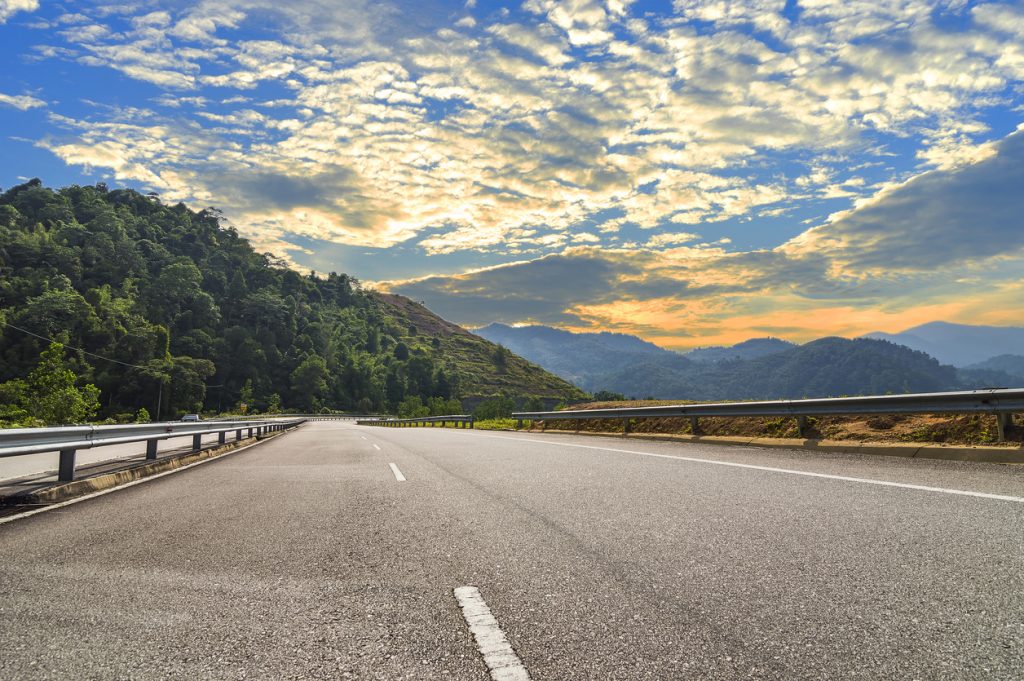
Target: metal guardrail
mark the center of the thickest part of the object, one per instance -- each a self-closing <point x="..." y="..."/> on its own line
<point x="69" y="439"/>
<point x="308" y="417"/>
<point x="458" y="420"/>
<point x="1002" y="402"/>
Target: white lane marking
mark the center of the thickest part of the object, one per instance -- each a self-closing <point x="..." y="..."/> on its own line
<point x="501" y="660"/>
<point x="363" y="436"/>
<point x="126" y="485"/>
<point x="376" y="446"/>
<point x="772" y="469"/>
<point x="398" y="474"/>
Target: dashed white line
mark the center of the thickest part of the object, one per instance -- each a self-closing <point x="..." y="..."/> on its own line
<point x="364" y="437"/>
<point x="772" y="469"/>
<point x="398" y="474"/>
<point x="502" y="662"/>
<point x="376" y="446"/>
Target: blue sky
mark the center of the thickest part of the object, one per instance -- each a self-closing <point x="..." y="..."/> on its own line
<point x="693" y="171"/>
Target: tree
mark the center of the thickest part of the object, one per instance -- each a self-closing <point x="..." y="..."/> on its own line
<point x="533" y="404"/>
<point x="608" y="396"/>
<point x="496" y="408"/>
<point x="401" y="351"/>
<point x="51" y="395"/>
<point x="441" y="407"/>
<point x="412" y="407"/>
<point x="187" y="389"/>
<point x="245" y="397"/>
<point x="309" y="382"/>
<point x="12" y="397"/>
<point x="500" y="358"/>
<point x="442" y="386"/>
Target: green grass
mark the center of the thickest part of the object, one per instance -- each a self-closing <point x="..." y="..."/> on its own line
<point x="488" y="424"/>
<point x="495" y="424"/>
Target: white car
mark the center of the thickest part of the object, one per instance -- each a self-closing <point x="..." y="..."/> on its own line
<point x="190" y="417"/>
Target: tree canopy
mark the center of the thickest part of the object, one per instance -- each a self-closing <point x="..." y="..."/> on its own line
<point x="163" y="309"/>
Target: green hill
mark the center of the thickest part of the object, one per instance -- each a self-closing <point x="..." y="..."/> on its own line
<point x="163" y="308"/>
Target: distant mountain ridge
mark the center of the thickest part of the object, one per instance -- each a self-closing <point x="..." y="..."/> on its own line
<point x="827" y="367"/>
<point x="1012" y="365"/>
<point x="748" y="349"/>
<point x="575" y="357"/>
<point x="961" y="345"/>
<point x="759" y="368"/>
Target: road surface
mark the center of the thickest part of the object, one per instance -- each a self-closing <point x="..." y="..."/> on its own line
<point x="340" y="551"/>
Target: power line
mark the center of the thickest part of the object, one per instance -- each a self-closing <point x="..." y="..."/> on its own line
<point x="71" y="347"/>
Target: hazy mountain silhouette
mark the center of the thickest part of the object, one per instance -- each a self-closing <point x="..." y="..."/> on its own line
<point x="959" y="344"/>
<point x="759" y="368"/>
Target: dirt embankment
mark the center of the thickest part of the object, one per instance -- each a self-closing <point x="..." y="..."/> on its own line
<point x="972" y="429"/>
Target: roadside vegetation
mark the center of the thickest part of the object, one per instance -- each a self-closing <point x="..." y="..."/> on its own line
<point x="967" y="429"/>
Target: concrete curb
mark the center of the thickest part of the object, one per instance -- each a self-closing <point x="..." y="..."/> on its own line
<point x="910" y="450"/>
<point x="60" y="492"/>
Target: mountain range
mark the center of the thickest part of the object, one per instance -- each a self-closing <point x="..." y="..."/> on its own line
<point x="762" y="368"/>
<point x="959" y="344"/>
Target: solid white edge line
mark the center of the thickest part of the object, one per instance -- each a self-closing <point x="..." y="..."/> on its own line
<point x="398" y="474"/>
<point x="502" y="662"/>
<point x="93" y="495"/>
<point x="772" y="469"/>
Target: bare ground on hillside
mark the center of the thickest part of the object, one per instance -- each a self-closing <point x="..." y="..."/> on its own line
<point x="972" y="429"/>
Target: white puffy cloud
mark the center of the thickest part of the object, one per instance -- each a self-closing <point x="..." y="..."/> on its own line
<point x="10" y="7"/>
<point x="22" y="102"/>
<point x="514" y="133"/>
<point x="946" y="244"/>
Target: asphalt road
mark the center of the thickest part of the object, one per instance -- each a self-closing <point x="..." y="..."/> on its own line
<point x="307" y="557"/>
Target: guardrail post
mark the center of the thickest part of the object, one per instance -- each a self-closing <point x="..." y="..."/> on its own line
<point x="694" y="425"/>
<point x="1003" y="424"/>
<point x="577" y="425"/>
<point x="66" y="469"/>
<point x="151" y="446"/>
<point x="238" y="434"/>
<point x="627" y="427"/>
<point x="222" y="437"/>
<point x="519" y="424"/>
<point x="801" y="426"/>
<point x="197" y="443"/>
<point x="471" y="422"/>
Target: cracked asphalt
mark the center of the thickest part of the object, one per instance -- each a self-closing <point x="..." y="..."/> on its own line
<point x="304" y="557"/>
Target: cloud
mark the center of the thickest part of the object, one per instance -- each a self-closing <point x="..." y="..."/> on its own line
<point x="932" y="247"/>
<point x="936" y="219"/>
<point x="10" y="7"/>
<point x="21" y="102"/>
<point x="576" y="109"/>
<point x="556" y="134"/>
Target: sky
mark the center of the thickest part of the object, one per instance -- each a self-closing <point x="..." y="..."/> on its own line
<point x="696" y="172"/>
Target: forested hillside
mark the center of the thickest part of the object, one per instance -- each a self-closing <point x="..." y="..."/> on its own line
<point x="162" y="308"/>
